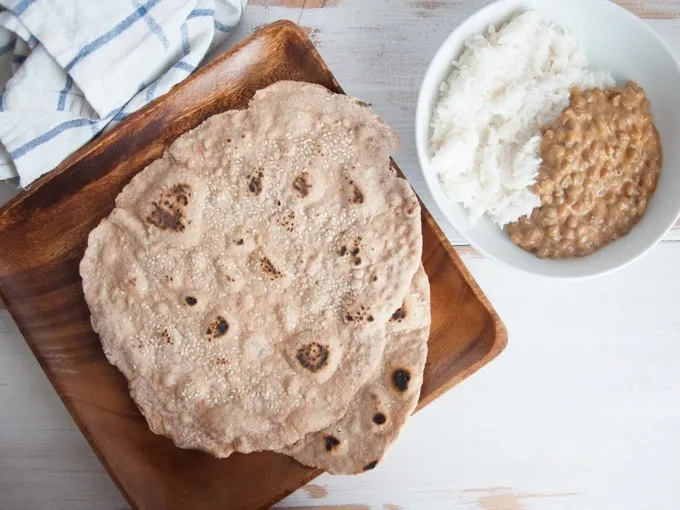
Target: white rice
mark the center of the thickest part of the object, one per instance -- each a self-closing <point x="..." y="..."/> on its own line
<point x="486" y="128"/>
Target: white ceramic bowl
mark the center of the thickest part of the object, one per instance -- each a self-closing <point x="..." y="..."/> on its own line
<point x="615" y="40"/>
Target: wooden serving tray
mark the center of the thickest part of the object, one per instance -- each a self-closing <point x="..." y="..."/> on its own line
<point x="43" y="233"/>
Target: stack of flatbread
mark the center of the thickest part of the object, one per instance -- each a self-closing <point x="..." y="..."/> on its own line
<point x="260" y="285"/>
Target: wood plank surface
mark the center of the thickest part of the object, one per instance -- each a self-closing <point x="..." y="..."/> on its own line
<point x="581" y="412"/>
<point x="652" y="9"/>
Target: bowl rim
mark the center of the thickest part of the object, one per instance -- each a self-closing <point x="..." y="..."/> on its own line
<point x="424" y="115"/>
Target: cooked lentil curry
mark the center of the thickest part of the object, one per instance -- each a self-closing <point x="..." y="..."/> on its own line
<point x="601" y="163"/>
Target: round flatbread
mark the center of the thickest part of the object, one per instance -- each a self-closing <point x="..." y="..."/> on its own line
<point x="243" y="282"/>
<point x="358" y="441"/>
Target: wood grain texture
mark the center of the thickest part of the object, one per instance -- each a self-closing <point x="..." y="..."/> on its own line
<point x="43" y="292"/>
<point x="296" y="4"/>
<point x="652" y="9"/>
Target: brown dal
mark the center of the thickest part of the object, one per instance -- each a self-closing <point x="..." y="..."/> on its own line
<point x="601" y="164"/>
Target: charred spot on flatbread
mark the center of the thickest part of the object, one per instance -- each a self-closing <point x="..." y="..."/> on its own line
<point x="287" y="221"/>
<point x="356" y="252"/>
<point x="165" y="337"/>
<point x="313" y="356"/>
<point x="217" y="328"/>
<point x="359" y="314"/>
<point x="401" y="378"/>
<point x="370" y="465"/>
<point x="255" y="181"/>
<point x="411" y="209"/>
<point x="331" y="442"/>
<point x="379" y="418"/>
<point x="270" y="269"/>
<point x="302" y="185"/>
<point x="357" y="196"/>
<point x="190" y="300"/>
<point x="168" y="211"/>
<point x="399" y="314"/>
<point x="353" y="251"/>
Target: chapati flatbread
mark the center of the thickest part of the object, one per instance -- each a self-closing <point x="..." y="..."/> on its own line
<point x="374" y="419"/>
<point x="243" y="282"/>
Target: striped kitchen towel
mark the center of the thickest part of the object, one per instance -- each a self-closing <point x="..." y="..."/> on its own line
<point x="72" y="68"/>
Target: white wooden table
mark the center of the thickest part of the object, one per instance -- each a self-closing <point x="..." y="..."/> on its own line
<point x="580" y="412"/>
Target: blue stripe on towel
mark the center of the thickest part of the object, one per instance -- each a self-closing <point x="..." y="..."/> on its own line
<point x="22" y="6"/>
<point x="111" y="34"/>
<point x="64" y="92"/>
<point x="153" y="25"/>
<point x="151" y="91"/>
<point x="111" y="114"/>
<point x="222" y="27"/>
<point x="184" y="66"/>
<point x="46" y="137"/>
<point x="197" y="13"/>
<point x="186" y="46"/>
